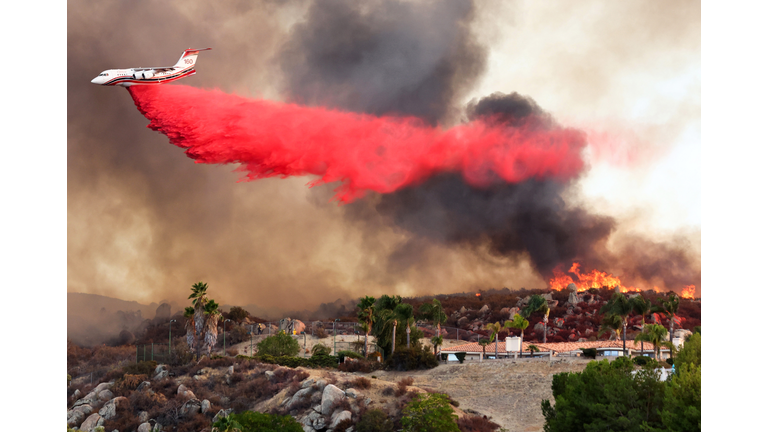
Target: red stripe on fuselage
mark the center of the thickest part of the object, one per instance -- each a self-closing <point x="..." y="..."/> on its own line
<point x="148" y="81"/>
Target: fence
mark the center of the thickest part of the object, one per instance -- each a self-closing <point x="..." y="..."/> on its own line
<point x="161" y="352"/>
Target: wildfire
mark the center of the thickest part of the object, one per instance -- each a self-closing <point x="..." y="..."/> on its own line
<point x="585" y="281"/>
<point x="689" y="292"/>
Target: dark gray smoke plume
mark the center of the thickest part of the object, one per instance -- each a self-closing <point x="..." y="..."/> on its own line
<point x="386" y="58"/>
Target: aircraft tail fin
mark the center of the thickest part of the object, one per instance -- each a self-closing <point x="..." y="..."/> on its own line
<point x="189" y="57"/>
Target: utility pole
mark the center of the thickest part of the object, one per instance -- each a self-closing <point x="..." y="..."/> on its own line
<point x="170" y="324"/>
<point x="225" y="337"/>
<point x="334" y="336"/>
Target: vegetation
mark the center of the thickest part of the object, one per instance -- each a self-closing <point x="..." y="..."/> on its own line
<point x="642" y="307"/>
<point x="366" y="317"/>
<point x="669" y="307"/>
<point x="375" y="420"/>
<point x="237" y="314"/>
<point x="434" y="312"/>
<point x="251" y="421"/>
<point x="619" y="307"/>
<point x="608" y="396"/>
<point x="430" y="413"/>
<point x="278" y="345"/>
<point x="538" y="303"/>
<point x="520" y="323"/>
<point x="655" y="334"/>
<point x="205" y="316"/>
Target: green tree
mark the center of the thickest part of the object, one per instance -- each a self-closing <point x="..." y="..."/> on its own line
<point x="238" y="314"/>
<point x="669" y="307"/>
<point x="610" y="324"/>
<point x="320" y="350"/>
<point x="605" y="396"/>
<point x="518" y="322"/>
<point x="211" y="328"/>
<point x="621" y="307"/>
<point x="690" y="353"/>
<point x="494" y="328"/>
<point x="278" y="345"/>
<point x="538" y="303"/>
<point x="436" y="342"/>
<point x="682" y="399"/>
<point x="434" y="312"/>
<point x="655" y="334"/>
<point x="366" y="316"/>
<point x="385" y="322"/>
<point x="252" y="421"/>
<point x="642" y="307"/>
<point x="226" y="424"/>
<point x="483" y="343"/>
<point x="429" y="413"/>
<point x="533" y="348"/>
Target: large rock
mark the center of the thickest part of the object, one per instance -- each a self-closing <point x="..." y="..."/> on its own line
<point x="190" y="408"/>
<point x="331" y="394"/>
<point x="513" y="311"/>
<point x="221" y="414"/>
<point x="144" y="386"/>
<point x="109" y="410"/>
<point x="339" y="417"/>
<point x="307" y="383"/>
<point x="182" y="390"/>
<point x="352" y="393"/>
<point x="462" y="322"/>
<point x="485" y="309"/>
<point x="270" y="375"/>
<point x="298" y="396"/>
<point x="76" y="415"/>
<point x="90" y="399"/>
<point x="205" y="406"/>
<point x="143" y="416"/>
<point x="538" y="328"/>
<point x="163" y="312"/>
<point x="463" y="310"/>
<point x="92" y="422"/>
<point x="144" y="427"/>
<point x="161" y="371"/>
<point x="103" y="386"/>
<point x="572" y="287"/>
<point x="574" y="298"/>
<point x="105" y="395"/>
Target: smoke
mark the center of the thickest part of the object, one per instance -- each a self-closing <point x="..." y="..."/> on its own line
<point x="145" y="223"/>
<point x="363" y="153"/>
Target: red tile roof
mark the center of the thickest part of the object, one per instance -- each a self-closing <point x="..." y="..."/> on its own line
<point x="550" y="346"/>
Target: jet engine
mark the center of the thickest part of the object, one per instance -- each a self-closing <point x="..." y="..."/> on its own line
<point x="145" y="74"/>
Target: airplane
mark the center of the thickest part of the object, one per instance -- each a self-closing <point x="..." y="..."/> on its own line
<point x="153" y="75"/>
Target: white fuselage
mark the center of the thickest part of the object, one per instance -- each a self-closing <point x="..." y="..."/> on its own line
<point x="142" y="76"/>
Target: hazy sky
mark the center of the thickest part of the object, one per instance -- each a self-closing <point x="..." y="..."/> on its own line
<point x="145" y="222"/>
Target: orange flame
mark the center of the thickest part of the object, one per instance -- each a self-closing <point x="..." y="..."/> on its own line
<point x="585" y="281"/>
<point x="689" y="292"/>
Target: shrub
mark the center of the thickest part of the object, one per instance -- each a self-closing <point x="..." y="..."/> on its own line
<point x="477" y="424"/>
<point x="320" y="349"/>
<point x="344" y="425"/>
<point x="640" y="360"/>
<point x="141" y="368"/>
<point x="236" y="313"/>
<point x="237" y="334"/>
<point x="280" y="344"/>
<point x="365" y="366"/>
<point x="589" y="352"/>
<point x="460" y="356"/>
<point x="402" y="386"/>
<point x="320" y="332"/>
<point x="430" y="412"/>
<point x="361" y="383"/>
<point x="411" y="358"/>
<point x="670" y="361"/>
<point x="350" y="354"/>
<point x="375" y="420"/>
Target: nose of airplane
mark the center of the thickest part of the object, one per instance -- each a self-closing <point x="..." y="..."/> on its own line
<point x="95" y="80"/>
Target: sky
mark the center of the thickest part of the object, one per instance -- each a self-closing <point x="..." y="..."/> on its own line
<point x="144" y="222"/>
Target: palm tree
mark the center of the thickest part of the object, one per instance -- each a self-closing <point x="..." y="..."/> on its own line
<point x="619" y="306"/>
<point x="483" y="343"/>
<point x="199" y="298"/>
<point x="642" y="307"/>
<point x="189" y="325"/>
<point x="436" y="342"/>
<point x="434" y="312"/>
<point x="494" y="328"/>
<point x="655" y="334"/>
<point x="404" y="313"/>
<point x="669" y="308"/>
<point x="212" y="318"/>
<point x="518" y="322"/>
<point x="538" y="303"/>
<point x="533" y="348"/>
<point x="365" y="316"/>
<point x="611" y="324"/>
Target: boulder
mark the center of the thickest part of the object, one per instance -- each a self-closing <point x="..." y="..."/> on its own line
<point x="338" y="417"/>
<point x="103" y="386"/>
<point x="205" y="406"/>
<point x="574" y="298"/>
<point x="513" y="311"/>
<point x="146" y="385"/>
<point x="92" y="422"/>
<point x="105" y="395"/>
<point x="182" y="390"/>
<point x="163" y="312"/>
<point x="270" y="375"/>
<point x="462" y="322"/>
<point x="463" y="310"/>
<point x="109" y="410"/>
<point x="231" y="370"/>
<point x="76" y="395"/>
<point x="298" y="396"/>
<point x="90" y="399"/>
<point x="485" y="309"/>
<point x="143" y="416"/>
<point x="307" y="382"/>
<point x="548" y="297"/>
<point x="331" y="394"/>
<point x="144" y="427"/>
<point x="76" y="416"/>
<point x="572" y="287"/>
<point x="160" y="375"/>
<point x="320" y="423"/>
<point x="190" y="408"/>
<point x="320" y="384"/>
<point x="299" y="326"/>
<point x="538" y="328"/>
<point x="352" y="393"/>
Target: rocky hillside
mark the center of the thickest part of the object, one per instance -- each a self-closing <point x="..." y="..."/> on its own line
<point x="191" y="398"/>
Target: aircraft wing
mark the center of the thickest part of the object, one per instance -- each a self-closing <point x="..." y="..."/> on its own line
<point x="159" y="69"/>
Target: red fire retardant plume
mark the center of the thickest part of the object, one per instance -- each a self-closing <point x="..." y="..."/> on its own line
<point x="363" y="152"/>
